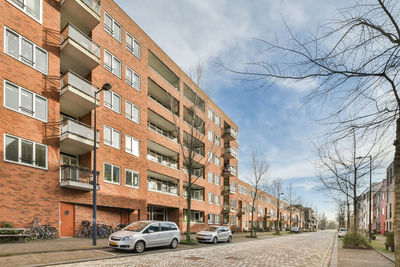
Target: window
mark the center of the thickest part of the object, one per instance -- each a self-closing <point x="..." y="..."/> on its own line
<point x="132" y="145"/>
<point x="112" y="173"/>
<point x="131" y="178"/>
<point x="132" y="45"/>
<point x="233" y="220"/>
<point x="233" y="187"/>
<point x="210" y="177"/>
<point x="132" y="78"/>
<point x="132" y="112"/>
<point x="32" y="8"/>
<point x="210" y="218"/>
<point x="112" y="137"/>
<point x="112" y="63"/>
<point x="210" y="136"/>
<point x="217" y="199"/>
<point x="210" y="156"/>
<point x="112" y="101"/>
<point x="25" y="51"/>
<point x="217" y="120"/>
<point x="217" y="160"/>
<point x="211" y="115"/>
<point x="211" y="198"/>
<point x="25" y="152"/>
<point x="24" y="101"/>
<point x="233" y="204"/>
<point x="217" y="219"/>
<point x="196" y="216"/>
<point x="197" y="194"/>
<point x="217" y="179"/>
<point x="218" y="140"/>
<point x="112" y="27"/>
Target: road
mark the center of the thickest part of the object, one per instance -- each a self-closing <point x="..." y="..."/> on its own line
<point x="308" y="249"/>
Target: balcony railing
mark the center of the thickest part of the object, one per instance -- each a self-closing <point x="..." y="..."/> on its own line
<point x="232" y="132"/>
<point x="162" y="160"/>
<point x="76" y="81"/>
<point x="93" y="5"/>
<point x="231" y="151"/>
<point x="230" y="169"/>
<point x="226" y="208"/>
<point x="73" y="33"/>
<point x="76" y="177"/>
<point x="71" y="126"/>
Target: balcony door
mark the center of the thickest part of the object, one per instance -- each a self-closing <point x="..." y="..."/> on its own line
<point x="71" y="168"/>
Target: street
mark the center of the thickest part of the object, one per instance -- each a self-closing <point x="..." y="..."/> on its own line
<point x="308" y="249"/>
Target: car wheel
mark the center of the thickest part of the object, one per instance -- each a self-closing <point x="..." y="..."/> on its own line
<point x="230" y="239"/>
<point x="139" y="247"/>
<point x="215" y="240"/>
<point x="174" y="243"/>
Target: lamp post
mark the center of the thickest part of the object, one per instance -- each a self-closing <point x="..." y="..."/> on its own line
<point x="278" y="214"/>
<point x="105" y="87"/>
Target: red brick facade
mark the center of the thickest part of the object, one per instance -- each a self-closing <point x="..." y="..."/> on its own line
<point x="28" y="192"/>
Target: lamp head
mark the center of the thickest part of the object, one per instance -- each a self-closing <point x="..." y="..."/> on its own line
<point x="106" y="87"/>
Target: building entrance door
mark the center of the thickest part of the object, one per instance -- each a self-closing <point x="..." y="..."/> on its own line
<point x="157" y="213"/>
<point x="67" y="219"/>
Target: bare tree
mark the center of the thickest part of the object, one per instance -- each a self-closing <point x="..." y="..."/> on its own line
<point x="258" y="181"/>
<point x="291" y="200"/>
<point x="276" y="190"/>
<point x="341" y="171"/>
<point x="352" y="61"/>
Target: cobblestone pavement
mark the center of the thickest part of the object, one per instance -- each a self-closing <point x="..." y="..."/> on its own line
<point x="310" y="249"/>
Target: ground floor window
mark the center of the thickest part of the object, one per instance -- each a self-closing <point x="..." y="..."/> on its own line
<point x="157" y="213"/>
<point x="217" y="219"/>
<point x="196" y="216"/>
<point x="233" y="220"/>
<point x="210" y="218"/>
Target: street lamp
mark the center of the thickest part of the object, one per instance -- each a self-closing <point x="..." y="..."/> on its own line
<point x="105" y="87"/>
<point x="370" y="196"/>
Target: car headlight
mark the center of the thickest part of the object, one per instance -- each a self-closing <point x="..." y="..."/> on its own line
<point x="127" y="238"/>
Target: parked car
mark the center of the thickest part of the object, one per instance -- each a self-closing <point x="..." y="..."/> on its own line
<point x="342" y="232"/>
<point x="214" y="234"/>
<point x="145" y="234"/>
<point x="295" y="230"/>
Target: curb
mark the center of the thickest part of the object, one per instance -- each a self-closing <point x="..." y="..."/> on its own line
<point x="387" y="257"/>
<point x="329" y="253"/>
<point x="50" y="251"/>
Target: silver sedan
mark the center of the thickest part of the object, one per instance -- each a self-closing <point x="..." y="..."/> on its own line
<point x="215" y="234"/>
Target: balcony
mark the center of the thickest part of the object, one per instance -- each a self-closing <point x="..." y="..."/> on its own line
<point x="226" y="208"/>
<point x="162" y="97"/>
<point x="75" y="177"/>
<point x="76" y="138"/>
<point x="231" y="134"/>
<point x="85" y="14"/>
<point x="231" y="152"/>
<point x="227" y="189"/>
<point x="78" y="52"/>
<point x="158" y="66"/>
<point x="77" y="95"/>
<point x="162" y="155"/>
<point x="229" y="170"/>
<point x="161" y="126"/>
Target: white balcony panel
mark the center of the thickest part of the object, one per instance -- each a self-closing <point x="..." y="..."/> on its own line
<point x="85" y="14"/>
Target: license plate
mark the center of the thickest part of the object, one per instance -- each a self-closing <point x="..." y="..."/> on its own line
<point x="113" y="243"/>
<point x="200" y="237"/>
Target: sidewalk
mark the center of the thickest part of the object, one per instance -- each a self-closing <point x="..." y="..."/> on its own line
<point x="358" y="258"/>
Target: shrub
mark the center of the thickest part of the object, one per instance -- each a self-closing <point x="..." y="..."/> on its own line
<point x="5" y="225"/>
<point x="389" y="243"/>
<point x="355" y="240"/>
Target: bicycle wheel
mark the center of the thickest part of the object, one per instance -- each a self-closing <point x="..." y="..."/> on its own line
<point x="34" y="233"/>
<point x="53" y="233"/>
<point x="42" y="234"/>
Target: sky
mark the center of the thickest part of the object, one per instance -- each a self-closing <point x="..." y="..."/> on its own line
<point x="272" y="120"/>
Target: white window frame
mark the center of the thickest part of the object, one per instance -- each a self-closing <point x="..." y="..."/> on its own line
<point x="217" y="140"/>
<point x="215" y="199"/>
<point x="215" y="219"/>
<point x="211" y="198"/>
<point x="23" y="9"/>
<point x="210" y="218"/>
<point x="111" y="31"/>
<point x="217" y="120"/>
<point x="34" y="95"/>
<point x="133" y="48"/>
<point x="131" y="83"/>
<point x="133" y="172"/>
<point x="133" y="106"/>
<point x="34" y="47"/>
<point x="217" y="181"/>
<point x="112" y="172"/>
<point x="210" y="175"/>
<point x="112" y="67"/>
<point x="19" y="152"/>
<point x="113" y="131"/>
<point x="112" y="101"/>
<point x="132" y="139"/>
<point x="210" y="136"/>
<point x="210" y="114"/>
<point x="211" y="156"/>
<point x="217" y="160"/>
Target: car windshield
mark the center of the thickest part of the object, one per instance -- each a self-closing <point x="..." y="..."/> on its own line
<point x="343" y="229"/>
<point x="136" y="227"/>
<point x="210" y="229"/>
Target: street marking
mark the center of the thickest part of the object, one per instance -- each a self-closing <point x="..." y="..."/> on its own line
<point x="106" y="252"/>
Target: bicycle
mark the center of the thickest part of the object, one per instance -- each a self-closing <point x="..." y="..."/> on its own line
<point x="41" y="232"/>
<point x="85" y="230"/>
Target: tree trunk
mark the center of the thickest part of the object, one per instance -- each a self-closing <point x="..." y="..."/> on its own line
<point x="252" y="219"/>
<point x="397" y="194"/>
<point x="189" y="209"/>
<point x="277" y="218"/>
<point x="355" y="211"/>
<point x="348" y="213"/>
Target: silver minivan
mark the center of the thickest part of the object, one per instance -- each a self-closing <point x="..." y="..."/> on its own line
<point x="214" y="234"/>
<point x="145" y="234"/>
